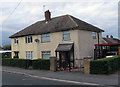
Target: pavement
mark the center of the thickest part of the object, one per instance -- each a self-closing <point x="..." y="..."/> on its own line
<point x="66" y="76"/>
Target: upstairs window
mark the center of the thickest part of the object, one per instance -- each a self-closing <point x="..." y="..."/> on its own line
<point x="28" y="39"/>
<point x="16" y="40"/>
<point x="66" y="35"/>
<point x="45" y="37"/>
<point x="94" y="35"/>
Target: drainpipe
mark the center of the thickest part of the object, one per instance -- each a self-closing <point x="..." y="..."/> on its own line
<point x="98" y="43"/>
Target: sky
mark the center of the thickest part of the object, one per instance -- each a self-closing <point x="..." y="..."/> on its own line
<point x="16" y="15"/>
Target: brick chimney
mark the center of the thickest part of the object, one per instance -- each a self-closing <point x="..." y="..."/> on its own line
<point x="107" y="36"/>
<point x="47" y="15"/>
<point x="111" y="36"/>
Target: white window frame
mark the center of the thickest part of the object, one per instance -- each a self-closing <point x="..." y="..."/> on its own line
<point x="66" y="33"/>
<point x="43" y="36"/>
<point x="28" y="39"/>
<point x="29" y="55"/>
<point x="46" y="53"/>
<point x="94" y="35"/>
<point x="16" y="40"/>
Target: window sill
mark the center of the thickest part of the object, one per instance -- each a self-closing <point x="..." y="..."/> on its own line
<point x="45" y="42"/>
<point x="28" y="43"/>
<point x="66" y="40"/>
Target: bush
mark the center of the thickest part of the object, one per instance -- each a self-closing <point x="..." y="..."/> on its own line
<point x="42" y="64"/>
<point x="105" y="65"/>
<point x="22" y="63"/>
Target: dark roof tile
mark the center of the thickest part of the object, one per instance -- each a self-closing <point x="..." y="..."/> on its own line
<point x="56" y="24"/>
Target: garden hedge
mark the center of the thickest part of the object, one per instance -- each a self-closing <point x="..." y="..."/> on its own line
<point x="42" y="64"/>
<point x="105" y="65"/>
<point x="22" y="63"/>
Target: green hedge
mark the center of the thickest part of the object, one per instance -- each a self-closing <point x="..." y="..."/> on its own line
<point x="42" y="64"/>
<point x="22" y="63"/>
<point x="105" y="65"/>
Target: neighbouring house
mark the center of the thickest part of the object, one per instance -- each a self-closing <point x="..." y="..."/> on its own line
<point x="67" y="37"/>
<point x="109" y="45"/>
<point x="110" y="40"/>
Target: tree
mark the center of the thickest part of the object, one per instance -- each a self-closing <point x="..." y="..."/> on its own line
<point x="7" y="47"/>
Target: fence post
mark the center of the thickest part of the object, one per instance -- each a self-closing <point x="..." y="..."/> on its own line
<point x="87" y="64"/>
<point x="53" y="63"/>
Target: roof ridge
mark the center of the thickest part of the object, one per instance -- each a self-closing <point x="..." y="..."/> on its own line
<point x="72" y="20"/>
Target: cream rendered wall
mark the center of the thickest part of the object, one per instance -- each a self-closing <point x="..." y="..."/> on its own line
<point x="22" y="47"/>
<point x="86" y="45"/>
<point x="83" y="45"/>
<point x="38" y="47"/>
<point x="55" y="39"/>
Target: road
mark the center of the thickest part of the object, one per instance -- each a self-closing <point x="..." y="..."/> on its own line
<point x="16" y="79"/>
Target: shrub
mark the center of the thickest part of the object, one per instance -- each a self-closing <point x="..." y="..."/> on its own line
<point x="42" y="64"/>
<point x="22" y="63"/>
<point x="105" y="65"/>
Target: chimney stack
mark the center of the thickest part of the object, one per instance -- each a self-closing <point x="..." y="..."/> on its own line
<point x="111" y="36"/>
<point x="47" y="15"/>
<point x="107" y="36"/>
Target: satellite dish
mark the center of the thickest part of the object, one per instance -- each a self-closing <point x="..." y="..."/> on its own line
<point x="36" y="40"/>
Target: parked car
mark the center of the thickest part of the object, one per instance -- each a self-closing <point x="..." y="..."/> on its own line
<point x="111" y="54"/>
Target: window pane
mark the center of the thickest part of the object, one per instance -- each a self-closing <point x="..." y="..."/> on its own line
<point x="94" y="35"/>
<point x="66" y="35"/>
<point x="29" y="55"/>
<point x="45" y="37"/>
<point x="46" y="54"/>
<point x="28" y="39"/>
<point x="15" y="40"/>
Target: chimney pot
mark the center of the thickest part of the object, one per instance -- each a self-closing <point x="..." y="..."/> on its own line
<point x="107" y="36"/>
<point x="47" y="15"/>
<point x="111" y="36"/>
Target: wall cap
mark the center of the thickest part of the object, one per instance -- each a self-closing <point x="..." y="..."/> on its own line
<point x="53" y="57"/>
<point x="87" y="57"/>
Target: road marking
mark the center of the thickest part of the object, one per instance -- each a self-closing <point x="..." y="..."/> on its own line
<point x="68" y="81"/>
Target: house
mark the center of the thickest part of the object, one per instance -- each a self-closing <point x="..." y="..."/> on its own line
<point x="110" y="40"/>
<point x="67" y="37"/>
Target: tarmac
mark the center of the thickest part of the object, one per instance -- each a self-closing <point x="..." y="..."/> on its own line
<point x="67" y="76"/>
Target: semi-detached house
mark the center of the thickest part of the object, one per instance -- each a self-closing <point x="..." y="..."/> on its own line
<point x="67" y="37"/>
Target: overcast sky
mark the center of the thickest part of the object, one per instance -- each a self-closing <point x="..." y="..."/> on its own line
<point x="101" y="13"/>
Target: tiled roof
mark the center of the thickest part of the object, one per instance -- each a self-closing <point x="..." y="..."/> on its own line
<point x="61" y="23"/>
<point x="111" y="40"/>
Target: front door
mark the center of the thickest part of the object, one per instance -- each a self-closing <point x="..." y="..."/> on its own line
<point x="64" y="59"/>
